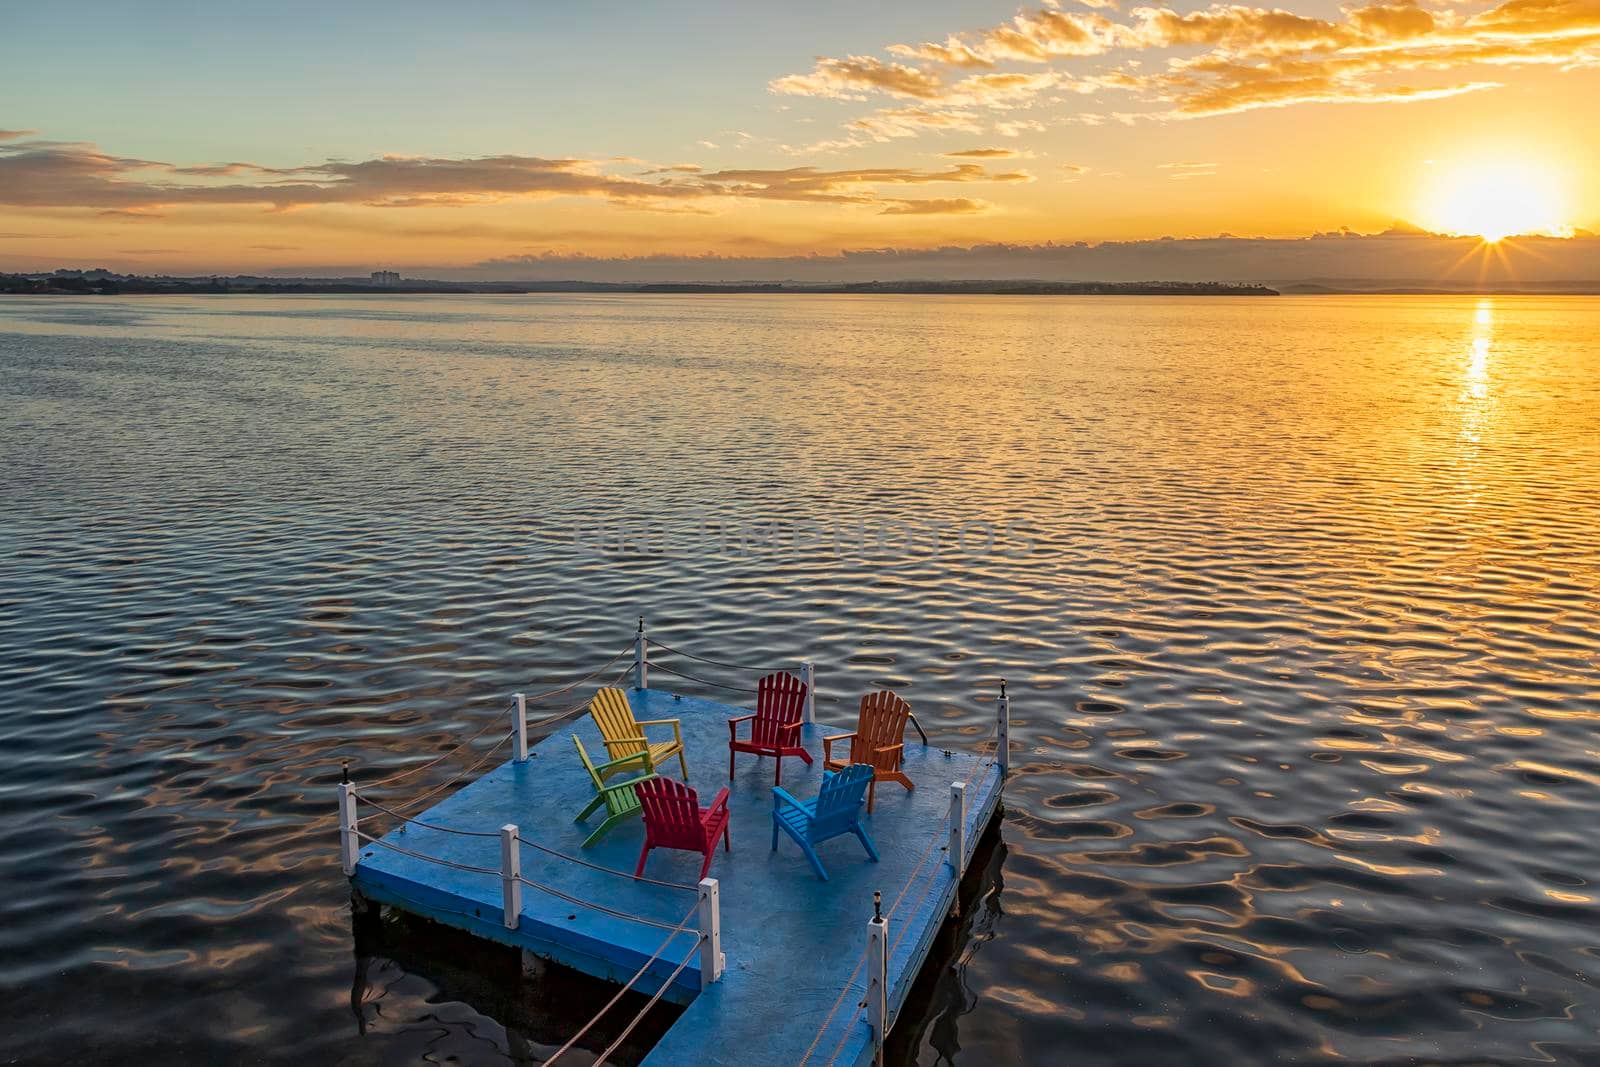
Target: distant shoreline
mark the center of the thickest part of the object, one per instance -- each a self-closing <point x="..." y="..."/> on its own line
<point x="93" y="284"/>
<point x="122" y="285"/>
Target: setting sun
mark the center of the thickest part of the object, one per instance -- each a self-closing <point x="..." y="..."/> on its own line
<point x="1496" y="200"/>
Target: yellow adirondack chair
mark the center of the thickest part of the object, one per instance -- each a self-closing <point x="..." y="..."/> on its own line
<point x="624" y="735"/>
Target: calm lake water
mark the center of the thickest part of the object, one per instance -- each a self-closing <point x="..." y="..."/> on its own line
<point x="1296" y="598"/>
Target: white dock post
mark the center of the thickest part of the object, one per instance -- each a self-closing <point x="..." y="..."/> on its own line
<point x="808" y="674"/>
<point x="641" y="659"/>
<point x="878" y="977"/>
<point x="349" y="839"/>
<point x="1002" y="708"/>
<point x="958" y="826"/>
<point x="519" y="720"/>
<point x="712" y="961"/>
<point x="511" y="875"/>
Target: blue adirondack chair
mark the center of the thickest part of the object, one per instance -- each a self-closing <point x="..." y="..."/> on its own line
<point x="836" y="810"/>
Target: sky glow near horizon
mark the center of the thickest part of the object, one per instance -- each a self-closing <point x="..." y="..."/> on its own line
<point x="232" y="137"/>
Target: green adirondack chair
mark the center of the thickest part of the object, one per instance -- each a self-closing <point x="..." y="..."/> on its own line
<point x="617" y="797"/>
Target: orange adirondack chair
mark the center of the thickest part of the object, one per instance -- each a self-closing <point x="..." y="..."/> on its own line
<point x="673" y="818"/>
<point x="878" y="740"/>
<point x="775" y="727"/>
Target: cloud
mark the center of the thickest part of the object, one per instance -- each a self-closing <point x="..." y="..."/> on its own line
<point x="1390" y="51"/>
<point x="847" y="78"/>
<point x="811" y="185"/>
<point x="983" y="153"/>
<point x="1181" y="171"/>
<point x="1033" y="37"/>
<point x="956" y="206"/>
<point x="911" y="121"/>
<point x="49" y="174"/>
<point x="11" y="135"/>
<point x="1018" y="128"/>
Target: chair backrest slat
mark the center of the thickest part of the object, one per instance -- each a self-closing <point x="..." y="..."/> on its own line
<point x="671" y="812"/>
<point x="588" y="764"/>
<point x="614" y="717"/>
<point x="839" y="800"/>
<point x="882" y="723"/>
<point x="780" y="698"/>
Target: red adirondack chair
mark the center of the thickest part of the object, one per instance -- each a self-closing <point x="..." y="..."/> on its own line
<point x="673" y="818"/>
<point x="775" y="727"/>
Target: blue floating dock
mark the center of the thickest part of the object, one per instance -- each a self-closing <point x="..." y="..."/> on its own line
<point x="791" y="940"/>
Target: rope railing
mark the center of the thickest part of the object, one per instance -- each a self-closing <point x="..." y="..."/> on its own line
<point x="981" y="763"/>
<point x="411" y="821"/>
<point x="479" y="762"/>
<point x="391" y="846"/>
<point x="457" y="747"/>
<point x="702" y="681"/>
<point x="828" y="1020"/>
<point x="604" y="870"/>
<point x="535" y="698"/>
<point x="626" y="1030"/>
<point x="586" y="678"/>
<point x="706" y="659"/>
<point x="369" y="802"/>
<point x="570" y="899"/>
<point x="629" y="984"/>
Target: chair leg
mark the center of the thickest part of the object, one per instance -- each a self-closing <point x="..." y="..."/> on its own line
<point x="730" y="763"/>
<point x="872" y="793"/>
<point x="599" y="799"/>
<point x="777" y="779"/>
<point x="644" y="850"/>
<point x="605" y="828"/>
<point x="816" y="863"/>
<point x="866" y="842"/>
<point x="711" y="850"/>
<point x="727" y="845"/>
<point x="774" y="833"/>
<point x="803" y="754"/>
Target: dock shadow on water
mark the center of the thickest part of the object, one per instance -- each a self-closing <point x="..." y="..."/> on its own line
<point x="423" y="992"/>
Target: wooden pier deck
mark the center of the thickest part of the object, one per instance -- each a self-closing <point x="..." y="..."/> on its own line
<point x="793" y="943"/>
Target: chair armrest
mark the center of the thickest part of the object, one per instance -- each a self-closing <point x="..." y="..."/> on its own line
<point x="890" y="748"/>
<point x="719" y="801"/>
<point x="622" y="761"/>
<point x="781" y="796"/>
<point x="657" y="722"/>
<point x="827" y="745"/>
<point x="612" y="787"/>
<point x="733" y="726"/>
<point x="625" y="737"/>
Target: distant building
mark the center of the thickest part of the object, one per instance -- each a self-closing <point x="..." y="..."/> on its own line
<point x="387" y="279"/>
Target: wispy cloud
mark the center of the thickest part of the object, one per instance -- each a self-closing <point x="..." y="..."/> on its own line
<point x="54" y="174"/>
<point x="983" y="153"/>
<point x="1248" y="58"/>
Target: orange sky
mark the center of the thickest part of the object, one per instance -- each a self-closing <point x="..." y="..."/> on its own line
<point x="231" y="141"/>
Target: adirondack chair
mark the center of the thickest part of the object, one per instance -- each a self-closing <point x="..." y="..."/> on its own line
<point x="618" y="798"/>
<point x="775" y="727"/>
<point x="836" y="810"/>
<point x="673" y="818"/>
<point x="624" y="735"/>
<point x="879" y="740"/>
